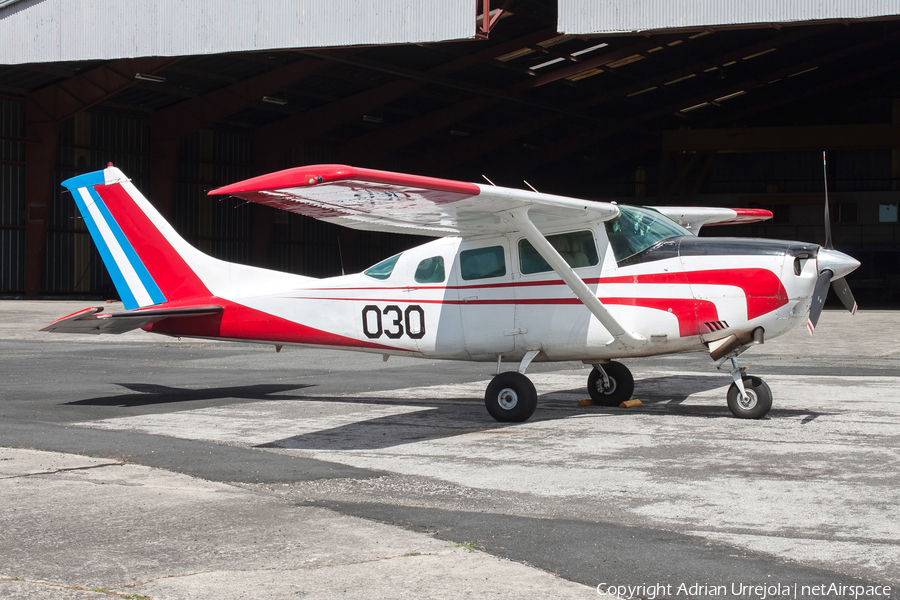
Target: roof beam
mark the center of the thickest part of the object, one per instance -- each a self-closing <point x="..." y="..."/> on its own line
<point x="465" y="150"/>
<point x="60" y="101"/>
<point x="566" y="146"/>
<point x="315" y="122"/>
<point x="193" y="115"/>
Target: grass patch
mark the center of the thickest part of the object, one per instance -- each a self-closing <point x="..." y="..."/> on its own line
<point x="469" y="545"/>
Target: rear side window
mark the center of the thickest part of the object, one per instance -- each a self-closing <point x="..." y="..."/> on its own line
<point x="383" y="269"/>
<point x="430" y="270"/>
<point x="482" y="263"/>
<point x="577" y="248"/>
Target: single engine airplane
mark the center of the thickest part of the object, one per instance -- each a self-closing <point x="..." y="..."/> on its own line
<point x="514" y="275"/>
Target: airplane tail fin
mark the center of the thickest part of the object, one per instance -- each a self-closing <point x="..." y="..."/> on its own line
<point x="147" y="260"/>
<point x="150" y="264"/>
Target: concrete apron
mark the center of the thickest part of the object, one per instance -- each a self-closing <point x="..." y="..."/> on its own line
<point x="79" y="527"/>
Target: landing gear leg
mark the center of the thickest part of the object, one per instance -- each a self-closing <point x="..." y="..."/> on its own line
<point x="748" y="397"/>
<point x="511" y="397"/>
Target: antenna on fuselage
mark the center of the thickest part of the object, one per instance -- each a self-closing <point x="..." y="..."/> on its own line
<point x="340" y="254"/>
<point x="532" y="187"/>
<point x="488" y="180"/>
<point x="828" y="242"/>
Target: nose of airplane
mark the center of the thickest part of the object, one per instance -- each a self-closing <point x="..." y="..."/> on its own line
<point x="837" y="262"/>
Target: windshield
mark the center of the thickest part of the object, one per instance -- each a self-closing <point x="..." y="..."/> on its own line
<point x="637" y="228"/>
<point x="383" y="269"/>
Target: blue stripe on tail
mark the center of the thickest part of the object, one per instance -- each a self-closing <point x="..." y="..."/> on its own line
<point x="129" y="299"/>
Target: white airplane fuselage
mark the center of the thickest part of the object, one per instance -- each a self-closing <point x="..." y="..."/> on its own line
<point x="676" y="302"/>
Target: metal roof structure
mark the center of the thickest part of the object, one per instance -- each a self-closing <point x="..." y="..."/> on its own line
<point x="609" y="16"/>
<point x="62" y="30"/>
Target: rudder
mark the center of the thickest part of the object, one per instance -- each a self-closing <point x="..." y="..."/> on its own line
<point x="146" y="259"/>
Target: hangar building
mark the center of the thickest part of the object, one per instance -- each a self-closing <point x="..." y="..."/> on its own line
<point x="707" y="102"/>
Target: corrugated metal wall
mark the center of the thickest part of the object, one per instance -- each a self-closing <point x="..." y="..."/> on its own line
<point x="607" y="16"/>
<point x="87" y="142"/>
<point x="800" y="172"/>
<point x="220" y="227"/>
<point x="12" y="196"/>
<point x="62" y="30"/>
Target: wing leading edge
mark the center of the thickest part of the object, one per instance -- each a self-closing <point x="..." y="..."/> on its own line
<point x="400" y="203"/>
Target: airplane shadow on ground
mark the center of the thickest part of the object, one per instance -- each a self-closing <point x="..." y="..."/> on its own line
<point x="452" y="417"/>
<point x="149" y="394"/>
<point x="670" y="393"/>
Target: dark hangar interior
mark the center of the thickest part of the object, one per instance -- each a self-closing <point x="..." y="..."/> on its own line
<point x="713" y="116"/>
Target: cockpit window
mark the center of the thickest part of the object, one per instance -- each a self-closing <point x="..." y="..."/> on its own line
<point x="637" y="228"/>
<point x="383" y="269"/>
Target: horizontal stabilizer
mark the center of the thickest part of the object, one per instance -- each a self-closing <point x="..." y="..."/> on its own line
<point x="90" y="320"/>
<point x="695" y="217"/>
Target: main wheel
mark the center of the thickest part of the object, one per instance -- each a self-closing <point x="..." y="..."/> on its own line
<point x="621" y="385"/>
<point x="757" y="403"/>
<point x="510" y="397"/>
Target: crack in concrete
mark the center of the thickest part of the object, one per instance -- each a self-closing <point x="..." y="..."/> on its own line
<point x="77" y="588"/>
<point x="65" y="470"/>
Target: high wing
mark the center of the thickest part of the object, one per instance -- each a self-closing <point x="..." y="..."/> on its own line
<point x="90" y="320"/>
<point x="695" y="217"/>
<point x="400" y="203"/>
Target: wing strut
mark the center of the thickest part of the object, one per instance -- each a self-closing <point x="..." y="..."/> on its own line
<point x="575" y="283"/>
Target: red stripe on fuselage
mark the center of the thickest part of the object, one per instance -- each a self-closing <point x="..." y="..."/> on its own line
<point x="689" y="312"/>
<point x="239" y="322"/>
<point x="762" y="288"/>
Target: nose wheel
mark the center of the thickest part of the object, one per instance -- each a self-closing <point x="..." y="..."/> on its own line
<point x="754" y="403"/>
<point x="749" y="397"/>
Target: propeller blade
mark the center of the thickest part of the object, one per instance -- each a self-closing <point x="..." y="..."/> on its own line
<point x="818" y="299"/>
<point x="828" y="243"/>
<point x="841" y="288"/>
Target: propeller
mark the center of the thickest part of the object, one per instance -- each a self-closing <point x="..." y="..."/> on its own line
<point x="833" y="266"/>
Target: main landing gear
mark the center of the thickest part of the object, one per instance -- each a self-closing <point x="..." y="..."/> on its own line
<point x="610" y="384"/>
<point x="511" y="397"/>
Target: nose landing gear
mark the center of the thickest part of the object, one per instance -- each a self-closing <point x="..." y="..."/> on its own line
<point x="749" y="397"/>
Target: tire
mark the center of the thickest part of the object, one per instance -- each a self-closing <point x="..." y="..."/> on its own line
<point x="621" y="385"/>
<point x="510" y="397"/>
<point x="758" y="404"/>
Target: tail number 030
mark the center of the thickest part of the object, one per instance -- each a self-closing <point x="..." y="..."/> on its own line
<point x="395" y="322"/>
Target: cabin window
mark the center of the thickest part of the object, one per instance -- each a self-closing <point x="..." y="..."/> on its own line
<point x="482" y="263"/>
<point x="577" y="248"/>
<point x="430" y="270"/>
<point x="637" y="228"/>
<point x="383" y="269"/>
